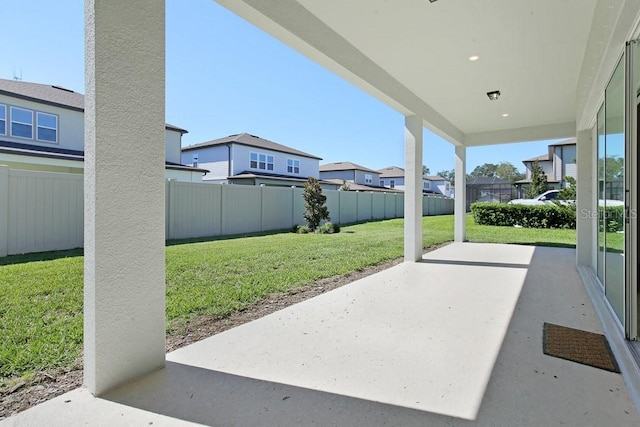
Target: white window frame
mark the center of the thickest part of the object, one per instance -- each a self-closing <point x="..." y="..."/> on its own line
<point x="38" y="126"/>
<point x="12" y="108"/>
<point x="368" y="178"/>
<point x="4" y="119"/>
<point x="293" y="166"/>
<point x="426" y="185"/>
<point x="263" y="161"/>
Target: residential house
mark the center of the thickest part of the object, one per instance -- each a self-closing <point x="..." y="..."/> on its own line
<point x="42" y="129"/>
<point x="246" y="159"/>
<point x="439" y="185"/>
<point x="557" y="163"/>
<point x="354" y="176"/>
<point x="393" y="177"/>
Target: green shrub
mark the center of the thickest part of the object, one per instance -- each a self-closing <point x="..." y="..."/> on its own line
<point x="328" y="228"/>
<point x="302" y="229"/>
<point x="528" y="216"/>
<point x="613" y="218"/>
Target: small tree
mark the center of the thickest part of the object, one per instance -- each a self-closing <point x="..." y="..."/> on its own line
<point x="568" y="192"/>
<point x="345" y="186"/>
<point x="314" y="204"/>
<point x="538" y="181"/>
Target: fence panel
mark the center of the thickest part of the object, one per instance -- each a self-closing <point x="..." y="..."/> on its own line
<point x="241" y="212"/>
<point x="348" y="207"/>
<point x="194" y="210"/>
<point x="378" y="205"/>
<point x="45" y="211"/>
<point x="277" y="208"/>
<point x="364" y="206"/>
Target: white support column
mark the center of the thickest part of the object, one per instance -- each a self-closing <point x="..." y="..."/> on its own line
<point x="412" y="188"/>
<point x="586" y="207"/>
<point x="124" y="301"/>
<point x="460" y="202"/>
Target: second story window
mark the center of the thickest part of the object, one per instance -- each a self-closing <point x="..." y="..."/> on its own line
<point x="426" y="185"/>
<point x="21" y="123"/>
<point x="293" y="166"/>
<point x="368" y="179"/>
<point x="194" y="163"/>
<point x="261" y="161"/>
<point x="47" y="127"/>
<point x="392" y="183"/>
<point x="3" y="119"/>
<point x="382" y="183"/>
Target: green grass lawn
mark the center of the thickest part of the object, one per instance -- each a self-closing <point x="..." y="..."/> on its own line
<point x="41" y="297"/>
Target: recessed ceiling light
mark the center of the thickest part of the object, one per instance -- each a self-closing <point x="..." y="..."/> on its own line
<point x="474" y="58"/>
<point x="493" y="95"/>
<point x="505" y="115"/>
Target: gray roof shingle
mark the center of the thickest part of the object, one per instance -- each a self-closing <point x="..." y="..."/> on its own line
<point x="344" y="166"/>
<point x="55" y="96"/>
<point x="251" y="141"/>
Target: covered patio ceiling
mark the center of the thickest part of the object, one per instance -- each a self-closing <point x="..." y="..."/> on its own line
<point x="544" y="56"/>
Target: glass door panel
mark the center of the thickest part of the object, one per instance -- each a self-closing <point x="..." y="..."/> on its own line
<point x="601" y="223"/>
<point x="613" y="201"/>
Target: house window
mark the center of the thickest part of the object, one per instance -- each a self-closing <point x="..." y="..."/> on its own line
<point x="47" y="127"/>
<point x="261" y="161"/>
<point x="3" y="119"/>
<point x="21" y="123"/>
<point x="392" y="183"/>
<point x="194" y="163"/>
<point x="426" y="185"/>
<point x="382" y="183"/>
<point x="368" y="179"/>
<point x="293" y="166"/>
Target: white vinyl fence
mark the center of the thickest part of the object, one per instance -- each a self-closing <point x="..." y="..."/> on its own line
<point x="42" y="211"/>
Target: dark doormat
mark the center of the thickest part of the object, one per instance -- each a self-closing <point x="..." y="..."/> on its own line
<point x="578" y="346"/>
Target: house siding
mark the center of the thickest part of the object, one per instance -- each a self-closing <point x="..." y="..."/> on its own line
<point x="70" y="124"/>
<point x="347" y="175"/>
<point x="214" y="159"/>
<point x="172" y="146"/>
<point x="241" y="162"/>
<point x="360" y="178"/>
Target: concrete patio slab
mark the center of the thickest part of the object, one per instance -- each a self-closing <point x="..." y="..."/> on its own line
<point x="453" y="340"/>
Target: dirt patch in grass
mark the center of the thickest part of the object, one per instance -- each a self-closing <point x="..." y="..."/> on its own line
<point x="21" y="394"/>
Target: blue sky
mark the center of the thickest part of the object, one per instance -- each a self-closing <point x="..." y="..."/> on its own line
<point x="225" y="76"/>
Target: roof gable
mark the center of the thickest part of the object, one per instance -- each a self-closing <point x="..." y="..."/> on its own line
<point x="345" y="166"/>
<point x="251" y="141"/>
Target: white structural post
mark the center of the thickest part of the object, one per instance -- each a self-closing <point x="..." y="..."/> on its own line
<point x="124" y="277"/>
<point x="460" y="202"/>
<point x="412" y="188"/>
<point x="586" y="208"/>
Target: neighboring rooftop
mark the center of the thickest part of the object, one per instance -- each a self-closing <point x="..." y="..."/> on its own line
<point x="360" y="187"/>
<point x="435" y="178"/>
<point x="344" y="166"/>
<point x="251" y="141"/>
<point x="570" y="141"/>
<point x="541" y="158"/>
<point x="391" y="172"/>
<point x="55" y="96"/>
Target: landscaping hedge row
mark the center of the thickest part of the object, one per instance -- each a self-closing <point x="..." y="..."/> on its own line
<point x="543" y="216"/>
